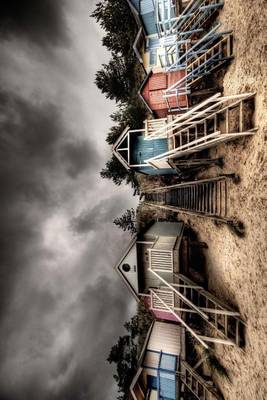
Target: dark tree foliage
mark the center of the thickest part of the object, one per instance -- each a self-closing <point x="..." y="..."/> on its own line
<point x="124" y="355"/>
<point x="132" y="115"/>
<point x="115" y="171"/>
<point x="126" y="221"/>
<point x="115" y="79"/>
<point x="126" y="351"/>
<point x="114" y="133"/>
<point x="120" y="79"/>
<point x="116" y="20"/>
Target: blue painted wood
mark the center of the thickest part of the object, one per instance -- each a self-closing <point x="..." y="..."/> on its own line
<point x="153" y="43"/>
<point x="166" y="386"/>
<point x="146" y="6"/>
<point x="136" y="4"/>
<point x="168" y="362"/>
<point x="149" y="22"/>
<point x="144" y="149"/>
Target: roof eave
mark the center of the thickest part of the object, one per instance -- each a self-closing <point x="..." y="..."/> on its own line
<point x="140" y="92"/>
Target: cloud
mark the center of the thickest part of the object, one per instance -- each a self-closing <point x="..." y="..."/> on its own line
<point x="78" y="156"/>
<point x="36" y="163"/>
<point x="103" y="212"/>
<point x="41" y="22"/>
<point x="55" y="347"/>
<point x="61" y="305"/>
<point x="83" y="379"/>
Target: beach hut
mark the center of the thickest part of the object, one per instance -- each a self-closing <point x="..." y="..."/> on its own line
<point x="159" y="363"/>
<point x="163" y="372"/>
<point x="165" y="145"/>
<point x="152" y="92"/>
<point x="152" y="18"/>
<point x="152" y="267"/>
<point x="133" y="151"/>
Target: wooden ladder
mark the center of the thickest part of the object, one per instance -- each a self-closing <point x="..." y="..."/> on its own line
<point x="198" y="16"/>
<point x="213" y="58"/>
<point x="185" y="298"/>
<point x="206" y="198"/>
<point x="196" y="384"/>
<point x="208" y="124"/>
<point x="226" y="322"/>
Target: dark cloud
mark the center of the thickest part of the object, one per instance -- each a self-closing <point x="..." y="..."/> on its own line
<point x="84" y="382"/>
<point x="40" y="21"/>
<point x="28" y="137"/>
<point x="79" y="155"/>
<point x="91" y="219"/>
<point x="39" y="370"/>
<point x="35" y="160"/>
<point x="61" y="307"/>
<point x="56" y="328"/>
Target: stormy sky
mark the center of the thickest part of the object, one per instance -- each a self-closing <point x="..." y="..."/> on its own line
<point x="62" y="305"/>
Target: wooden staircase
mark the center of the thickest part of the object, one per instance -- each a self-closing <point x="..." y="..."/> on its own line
<point x="215" y="120"/>
<point x="195" y="17"/>
<point x="183" y="298"/>
<point x="213" y="58"/>
<point x="205" y="198"/>
<point x="201" y="389"/>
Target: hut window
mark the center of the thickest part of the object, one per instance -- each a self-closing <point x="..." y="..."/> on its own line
<point x="153" y="57"/>
<point x="152" y="43"/>
<point x="126" y="267"/>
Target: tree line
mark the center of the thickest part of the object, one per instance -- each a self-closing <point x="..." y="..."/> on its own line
<point x="119" y="79"/>
<point x="124" y="354"/>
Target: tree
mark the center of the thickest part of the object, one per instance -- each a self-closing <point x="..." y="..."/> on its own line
<point x="115" y="79"/>
<point x="124" y="355"/>
<point x="114" y="133"/>
<point x="116" y="20"/>
<point x="125" y="352"/>
<point x="128" y="114"/>
<point x="126" y="221"/>
<point x="115" y="171"/>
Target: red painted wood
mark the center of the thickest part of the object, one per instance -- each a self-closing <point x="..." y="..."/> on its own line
<point x="153" y="90"/>
<point x="157" y="81"/>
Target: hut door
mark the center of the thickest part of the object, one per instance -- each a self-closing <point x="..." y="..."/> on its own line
<point x="145" y="149"/>
<point x="157" y="83"/>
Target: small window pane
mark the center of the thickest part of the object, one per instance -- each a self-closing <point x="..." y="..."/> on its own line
<point x="153" y="57"/>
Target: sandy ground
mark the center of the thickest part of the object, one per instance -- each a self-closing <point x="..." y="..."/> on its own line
<point x="236" y="267"/>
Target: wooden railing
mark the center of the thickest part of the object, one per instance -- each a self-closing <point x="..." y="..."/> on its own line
<point x="153" y="125"/>
<point x="196" y="384"/>
<point x="161" y="299"/>
<point x="161" y="253"/>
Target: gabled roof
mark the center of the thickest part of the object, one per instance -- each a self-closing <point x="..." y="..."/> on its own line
<point x="117" y="268"/>
<point x="142" y="87"/>
<point x="117" y="143"/>
<point x="136" y="44"/>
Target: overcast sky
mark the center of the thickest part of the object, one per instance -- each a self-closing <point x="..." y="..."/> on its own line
<point x="62" y="305"/>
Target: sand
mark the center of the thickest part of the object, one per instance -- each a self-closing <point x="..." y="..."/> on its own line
<point x="236" y="267"/>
